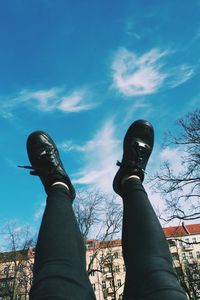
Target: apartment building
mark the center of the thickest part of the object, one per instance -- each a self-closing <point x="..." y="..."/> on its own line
<point x="105" y="265"/>
<point x="106" y="269"/>
<point x="16" y="274"/>
<point x="184" y="244"/>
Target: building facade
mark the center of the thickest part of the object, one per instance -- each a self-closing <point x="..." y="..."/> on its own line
<point x="106" y="269"/>
<point x="184" y="244"/>
<point x="105" y="266"/>
<point x="16" y="274"/>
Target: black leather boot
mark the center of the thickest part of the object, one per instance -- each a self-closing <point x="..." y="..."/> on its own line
<point x="45" y="161"/>
<point x="138" y="145"/>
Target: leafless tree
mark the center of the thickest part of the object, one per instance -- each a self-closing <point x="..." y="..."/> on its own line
<point x="100" y="218"/>
<point x="88" y="209"/>
<point x="99" y="215"/>
<point x="181" y="190"/>
<point x="16" y="261"/>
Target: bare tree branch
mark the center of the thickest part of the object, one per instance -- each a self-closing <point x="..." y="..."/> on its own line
<point x="181" y="190"/>
<point x="16" y="263"/>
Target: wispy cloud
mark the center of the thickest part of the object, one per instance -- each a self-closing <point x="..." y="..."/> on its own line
<point x="130" y="30"/>
<point x="136" y="75"/>
<point x="140" y="107"/>
<point x="100" y="155"/>
<point x="40" y="210"/>
<point x="74" y="102"/>
<point x="54" y="99"/>
<point x="180" y="75"/>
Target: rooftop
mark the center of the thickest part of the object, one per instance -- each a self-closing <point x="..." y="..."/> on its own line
<point x="182" y="230"/>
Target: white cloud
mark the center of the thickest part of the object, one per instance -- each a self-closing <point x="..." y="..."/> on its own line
<point x="49" y="100"/>
<point x="138" y="107"/>
<point x="74" y="102"/>
<point x="40" y="210"/>
<point x="135" y="75"/>
<point x="180" y="75"/>
<point x="45" y="100"/>
<point x="100" y="155"/>
<point x="67" y="146"/>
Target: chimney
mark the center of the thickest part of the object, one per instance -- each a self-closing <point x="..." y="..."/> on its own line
<point x="185" y="228"/>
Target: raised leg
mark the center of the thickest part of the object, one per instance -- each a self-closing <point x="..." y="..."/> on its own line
<point x="149" y="271"/>
<point x="60" y="267"/>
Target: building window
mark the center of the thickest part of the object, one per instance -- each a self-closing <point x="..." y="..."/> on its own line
<point x="171" y="243"/>
<point x="101" y="257"/>
<point x="105" y="295"/>
<point x="6" y="270"/>
<point x="180" y="243"/>
<point x="120" y="297"/>
<point x="119" y="282"/>
<point x="89" y="245"/>
<point x="20" y="268"/>
<point x="20" y="283"/>
<point x="117" y="269"/>
<point x="92" y="273"/>
<point x="187" y="245"/>
<point x="112" y="283"/>
<point x="183" y="256"/>
<point x="94" y="287"/>
<point x="103" y="284"/>
<point x="110" y="269"/>
<point x="14" y="268"/>
<point x="198" y="254"/>
<point x="175" y="256"/>
<point x="190" y="255"/>
<point x="194" y="240"/>
<point x="124" y="268"/>
<point x="116" y="255"/>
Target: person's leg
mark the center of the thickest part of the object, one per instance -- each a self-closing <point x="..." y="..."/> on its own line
<point x="149" y="271"/>
<point x="150" y="274"/>
<point x="59" y="268"/>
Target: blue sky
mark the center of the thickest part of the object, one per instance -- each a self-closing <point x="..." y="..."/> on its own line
<point x="84" y="71"/>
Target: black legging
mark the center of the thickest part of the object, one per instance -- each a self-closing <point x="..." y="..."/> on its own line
<point x="149" y="271"/>
<point x="60" y="266"/>
<point x="59" y="269"/>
